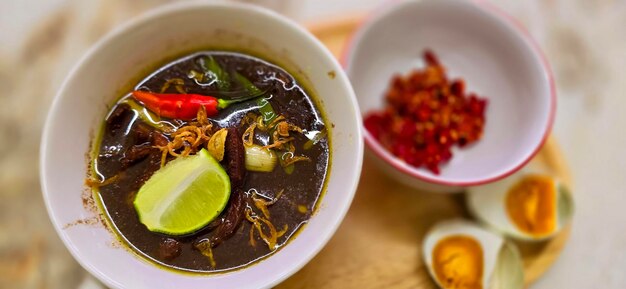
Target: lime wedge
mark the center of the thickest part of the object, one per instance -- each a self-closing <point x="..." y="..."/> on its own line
<point x="183" y="196"/>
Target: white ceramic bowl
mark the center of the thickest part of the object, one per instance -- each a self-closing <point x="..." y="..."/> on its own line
<point x="81" y="103"/>
<point x="478" y="43"/>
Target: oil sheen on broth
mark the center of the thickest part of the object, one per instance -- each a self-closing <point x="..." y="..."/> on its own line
<point x="131" y="150"/>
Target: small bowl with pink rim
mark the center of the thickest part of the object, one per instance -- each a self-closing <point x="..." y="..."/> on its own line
<point x="478" y="43"/>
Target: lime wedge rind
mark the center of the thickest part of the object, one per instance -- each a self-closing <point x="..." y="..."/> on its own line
<point x="183" y="196"/>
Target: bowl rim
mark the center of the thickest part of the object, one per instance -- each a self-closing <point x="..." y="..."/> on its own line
<point x="158" y="12"/>
<point x="506" y="19"/>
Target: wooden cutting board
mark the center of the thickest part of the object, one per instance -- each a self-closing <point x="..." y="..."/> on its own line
<point x="378" y="244"/>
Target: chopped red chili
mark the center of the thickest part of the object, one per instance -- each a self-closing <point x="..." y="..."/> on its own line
<point x="426" y="115"/>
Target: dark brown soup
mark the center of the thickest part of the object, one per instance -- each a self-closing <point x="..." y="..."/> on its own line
<point x="160" y="121"/>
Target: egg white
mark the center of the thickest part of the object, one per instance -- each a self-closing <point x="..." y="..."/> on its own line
<point x="490" y="243"/>
<point x="488" y="204"/>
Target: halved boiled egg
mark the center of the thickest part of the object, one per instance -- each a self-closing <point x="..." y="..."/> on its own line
<point x="461" y="255"/>
<point x="528" y="205"/>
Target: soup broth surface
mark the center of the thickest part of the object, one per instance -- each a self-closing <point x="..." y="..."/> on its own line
<point x="301" y="188"/>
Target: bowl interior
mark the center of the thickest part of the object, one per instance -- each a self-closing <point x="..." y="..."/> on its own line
<point x="493" y="57"/>
<point x="129" y="53"/>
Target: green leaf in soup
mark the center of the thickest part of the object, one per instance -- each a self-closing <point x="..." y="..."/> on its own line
<point x="214" y="72"/>
<point x="265" y="107"/>
<point x="247" y="84"/>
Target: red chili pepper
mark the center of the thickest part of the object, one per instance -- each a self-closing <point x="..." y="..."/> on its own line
<point x="180" y="106"/>
<point x="426" y="115"/>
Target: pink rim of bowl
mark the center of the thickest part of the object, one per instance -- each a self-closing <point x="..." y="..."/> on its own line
<point x="506" y="19"/>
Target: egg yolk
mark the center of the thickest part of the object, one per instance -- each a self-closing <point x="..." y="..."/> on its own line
<point x="458" y="262"/>
<point x="531" y="205"/>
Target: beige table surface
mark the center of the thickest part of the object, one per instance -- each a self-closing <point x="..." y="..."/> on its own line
<point x="585" y="41"/>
